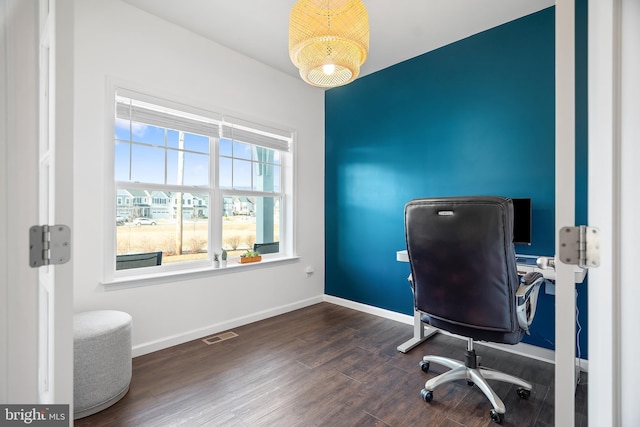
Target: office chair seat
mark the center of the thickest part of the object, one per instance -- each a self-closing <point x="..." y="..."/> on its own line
<point x="465" y="281"/>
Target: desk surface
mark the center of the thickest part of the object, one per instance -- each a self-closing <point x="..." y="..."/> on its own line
<point x="526" y="264"/>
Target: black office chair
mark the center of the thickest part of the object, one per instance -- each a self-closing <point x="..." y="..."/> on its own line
<point x="464" y="279"/>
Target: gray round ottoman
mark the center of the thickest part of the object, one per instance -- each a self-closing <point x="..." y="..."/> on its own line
<point x="101" y="360"/>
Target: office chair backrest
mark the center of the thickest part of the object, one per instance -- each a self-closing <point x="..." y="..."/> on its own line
<point x="463" y="265"/>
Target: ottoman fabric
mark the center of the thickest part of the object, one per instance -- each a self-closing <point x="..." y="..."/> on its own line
<point x="102" y="360"/>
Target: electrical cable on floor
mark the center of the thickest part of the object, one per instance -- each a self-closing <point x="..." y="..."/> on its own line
<point x="578" y="330"/>
<point x="539" y="335"/>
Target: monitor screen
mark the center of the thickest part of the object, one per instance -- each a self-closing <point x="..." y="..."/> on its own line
<point x="522" y="221"/>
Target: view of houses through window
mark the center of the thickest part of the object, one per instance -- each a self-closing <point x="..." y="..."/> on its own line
<point x="178" y="175"/>
<point x="240" y="228"/>
<point x="149" y="221"/>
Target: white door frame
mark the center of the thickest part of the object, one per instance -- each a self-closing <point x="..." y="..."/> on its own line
<point x="565" y="319"/>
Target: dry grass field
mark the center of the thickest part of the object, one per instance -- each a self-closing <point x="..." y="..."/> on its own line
<point x="239" y="234"/>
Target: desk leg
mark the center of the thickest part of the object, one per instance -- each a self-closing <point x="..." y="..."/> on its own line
<point x="421" y="332"/>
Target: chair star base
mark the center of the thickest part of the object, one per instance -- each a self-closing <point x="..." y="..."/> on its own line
<point x="474" y="375"/>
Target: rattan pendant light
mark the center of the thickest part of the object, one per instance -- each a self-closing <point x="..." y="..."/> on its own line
<point x="328" y="40"/>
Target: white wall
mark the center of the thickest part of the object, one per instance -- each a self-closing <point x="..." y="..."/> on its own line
<point x="115" y="40"/>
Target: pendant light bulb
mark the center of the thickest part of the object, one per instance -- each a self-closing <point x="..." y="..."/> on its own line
<point x="329" y="69"/>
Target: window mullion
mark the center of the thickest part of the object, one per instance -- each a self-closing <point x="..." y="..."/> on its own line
<point x="215" y="220"/>
<point x="166" y="156"/>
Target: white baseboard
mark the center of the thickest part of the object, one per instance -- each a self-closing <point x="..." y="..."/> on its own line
<point x="170" y="341"/>
<point x="381" y="312"/>
<point x="522" y="349"/>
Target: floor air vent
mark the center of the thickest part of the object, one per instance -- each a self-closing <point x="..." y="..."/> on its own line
<point x="219" y="338"/>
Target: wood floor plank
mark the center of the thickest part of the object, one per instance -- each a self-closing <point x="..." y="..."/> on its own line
<point x="324" y="365"/>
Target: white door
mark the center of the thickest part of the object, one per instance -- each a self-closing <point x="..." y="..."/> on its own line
<point x="38" y="336"/>
<point x="614" y="203"/>
<point x="19" y="84"/>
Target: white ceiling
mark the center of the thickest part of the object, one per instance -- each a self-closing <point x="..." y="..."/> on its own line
<point x="400" y="29"/>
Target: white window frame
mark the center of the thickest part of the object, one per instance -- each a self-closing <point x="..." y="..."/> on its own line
<point x="181" y="271"/>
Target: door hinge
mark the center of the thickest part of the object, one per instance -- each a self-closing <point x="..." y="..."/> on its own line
<point x="49" y="244"/>
<point x="580" y="245"/>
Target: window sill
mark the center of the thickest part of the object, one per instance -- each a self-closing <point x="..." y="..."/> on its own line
<point x="233" y="266"/>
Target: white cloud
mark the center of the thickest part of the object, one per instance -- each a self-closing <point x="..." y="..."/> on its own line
<point x="137" y="129"/>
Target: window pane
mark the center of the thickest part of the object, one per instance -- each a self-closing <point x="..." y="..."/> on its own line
<point x="241" y="150"/>
<point x="276" y="179"/>
<point x="122" y="129"/>
<point x="172" y="138"/>
<point x="263" y="177"/>
<point x="264" y="155"/>
<point x="224" y="173"/>
<point x="122" y="161"/>
<point x="226" y="147"/>
<point x="193" y="142"/>
<point x="147" y="134"/>
<point x="196" y="169"/>
<point x="153" y="222"/>
<point x="249" y="220"/>
<point x="266" y="177"/>
<point x="172" y="167"/>
<point x="241" y="174"/>
<point x="147" y="164"/>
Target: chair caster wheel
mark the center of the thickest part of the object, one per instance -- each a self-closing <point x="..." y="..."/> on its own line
<point x="424" y="366"/>
<point x="427" y="395"/>
<point x="523" y="393"/>
<point x="496" y="417"/>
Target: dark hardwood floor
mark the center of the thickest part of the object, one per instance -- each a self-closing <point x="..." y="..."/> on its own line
<point x="323" y="365"/>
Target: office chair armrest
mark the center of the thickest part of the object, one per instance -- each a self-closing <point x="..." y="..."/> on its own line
<point x="413" y="290"/>
<point x="527" y="298"/>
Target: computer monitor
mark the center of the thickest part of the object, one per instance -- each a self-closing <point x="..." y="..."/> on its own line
<point x="522" y="221"/>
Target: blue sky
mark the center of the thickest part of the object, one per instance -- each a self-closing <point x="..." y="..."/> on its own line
<point x="147" y="158"/>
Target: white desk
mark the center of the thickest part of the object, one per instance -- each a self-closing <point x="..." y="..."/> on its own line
<point x="525" y="263"/>
<point x="421" y="332"/>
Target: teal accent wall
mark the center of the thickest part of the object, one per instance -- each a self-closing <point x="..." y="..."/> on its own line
<point x="476" y="117"/>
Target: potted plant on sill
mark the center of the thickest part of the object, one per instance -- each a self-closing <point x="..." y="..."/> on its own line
<point x="223" y="260"/>
<point x="250" y="256"/>
<point x="216" y="260"/>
